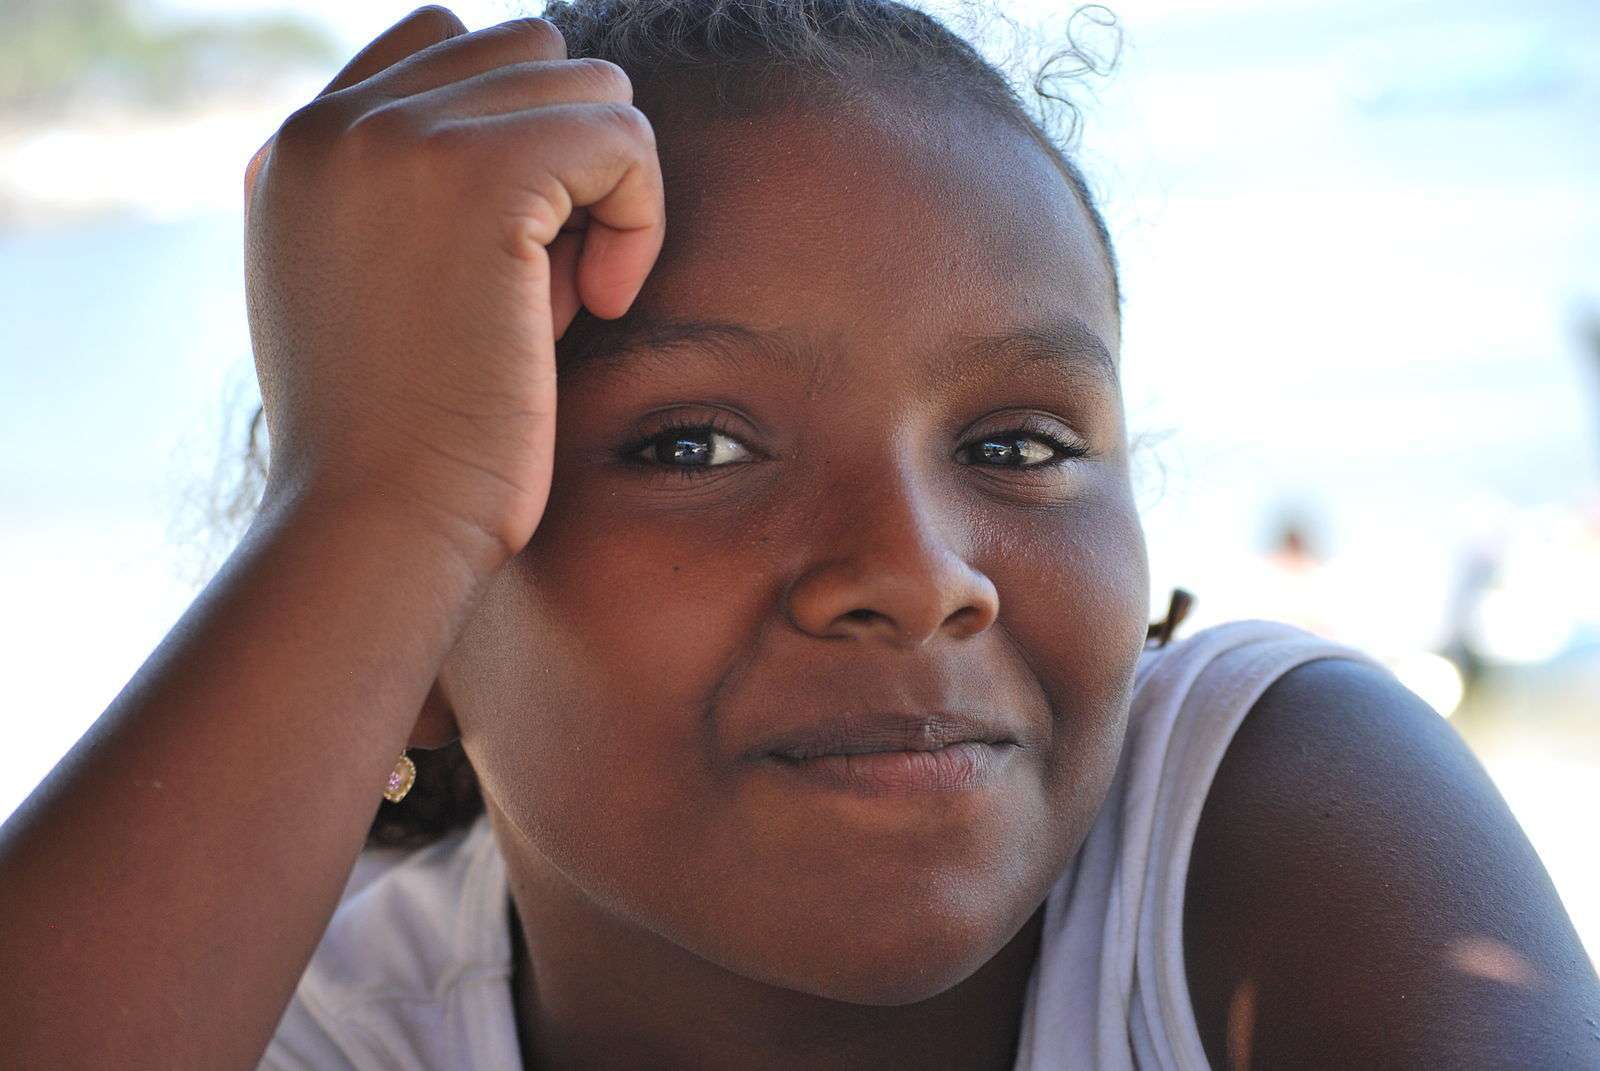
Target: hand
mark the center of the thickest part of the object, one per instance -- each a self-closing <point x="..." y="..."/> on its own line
<point x="416" y="239"/>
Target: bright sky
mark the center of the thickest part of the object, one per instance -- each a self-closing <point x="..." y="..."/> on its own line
<point x="358" y="21"/>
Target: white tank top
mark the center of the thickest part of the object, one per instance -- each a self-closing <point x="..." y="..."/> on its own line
<point x="414" y="970"/>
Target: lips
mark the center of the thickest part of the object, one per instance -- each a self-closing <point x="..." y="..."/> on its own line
<point x="882" y="731"/>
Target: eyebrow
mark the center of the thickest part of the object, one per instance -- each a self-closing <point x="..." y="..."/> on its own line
<point x="1061" y="341"/>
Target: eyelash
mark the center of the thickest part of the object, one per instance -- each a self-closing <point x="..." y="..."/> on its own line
<point x="1065" y="451"/>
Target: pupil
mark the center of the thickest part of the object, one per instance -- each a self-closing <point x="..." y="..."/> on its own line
<point x="684" y="448"/>
<point x="992" y="451"/>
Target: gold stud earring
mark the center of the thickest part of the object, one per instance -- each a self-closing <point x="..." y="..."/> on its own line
<point x="401" y="779"/>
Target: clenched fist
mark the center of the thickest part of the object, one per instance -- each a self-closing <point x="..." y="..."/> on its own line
<point x="416" y="239"/>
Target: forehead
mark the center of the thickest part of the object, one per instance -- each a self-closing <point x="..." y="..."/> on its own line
<point x="890" y="228"/>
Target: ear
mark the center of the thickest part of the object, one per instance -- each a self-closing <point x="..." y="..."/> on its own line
<point x="436" y="723"/>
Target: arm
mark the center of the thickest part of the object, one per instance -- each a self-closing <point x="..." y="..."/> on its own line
<point x="1359" y="895"/>
<point x="163" y="890"/>
<point x="166" y="885"/>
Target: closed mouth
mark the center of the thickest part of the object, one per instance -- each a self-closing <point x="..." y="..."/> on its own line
<point x="803" y="754"/>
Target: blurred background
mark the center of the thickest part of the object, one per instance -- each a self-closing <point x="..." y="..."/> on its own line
<point x="1361" y="249"/>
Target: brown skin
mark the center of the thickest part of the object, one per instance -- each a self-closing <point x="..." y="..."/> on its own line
<point x="688" y="908"/>
<point x="1359" y="894"/>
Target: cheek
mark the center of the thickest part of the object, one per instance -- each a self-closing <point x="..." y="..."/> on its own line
<point x="1075" y="602"/>
<point x="651" y="614"/>
<point x="591" y="665"/>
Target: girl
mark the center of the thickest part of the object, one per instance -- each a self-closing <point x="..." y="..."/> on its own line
<point x="797" y="651"/>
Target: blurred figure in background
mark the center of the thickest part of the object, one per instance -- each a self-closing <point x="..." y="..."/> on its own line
<point x="1297" y="574"/>
<point x="1475" y="575"/>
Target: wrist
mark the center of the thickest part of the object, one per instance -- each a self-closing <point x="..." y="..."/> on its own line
<point x="389" y="522"/>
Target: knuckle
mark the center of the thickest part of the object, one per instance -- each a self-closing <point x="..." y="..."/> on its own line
<point x="632" y="122"/>
<point x="444" y="142"/>
<point x="529" y="231"/>
<point x="544" y="39"/>
<point x="442" y="25"/>
<point x="383" y="128"/>
<point x="309" y="133"/>
<point x="440" y="17"/>
<point x="308" y="125"/>
<point x="535" y="215"/>
<point x="612" y="79"/>
<point x="253" y="164"/>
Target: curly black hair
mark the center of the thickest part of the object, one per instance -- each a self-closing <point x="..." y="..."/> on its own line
<point x="757" y="57"/>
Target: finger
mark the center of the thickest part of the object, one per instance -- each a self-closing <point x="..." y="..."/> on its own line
<point x="626" y="226"/>
<point x="615" y="263"/>
<point x="424" y="27"/>
<point x="601" y="156"/>
<point x="623" y="234"/>
<point x="518" y="87"/>
<point x="516" y="41"/>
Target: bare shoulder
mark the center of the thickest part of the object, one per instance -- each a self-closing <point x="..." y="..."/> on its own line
<point x="1359" y="895"/>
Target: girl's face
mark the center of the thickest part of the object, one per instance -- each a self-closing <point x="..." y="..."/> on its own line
<point x="839" y="532"/>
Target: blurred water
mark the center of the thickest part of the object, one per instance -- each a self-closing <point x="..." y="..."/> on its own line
<point x="114" y="344"/>
<point x="116" y="340"/>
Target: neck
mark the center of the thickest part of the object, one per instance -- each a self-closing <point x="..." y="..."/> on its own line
<point x="593" y="992"/>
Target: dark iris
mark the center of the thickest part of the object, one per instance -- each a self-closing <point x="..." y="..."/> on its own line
<point x="1002" y="451"/>
<point x="685" y="449"/>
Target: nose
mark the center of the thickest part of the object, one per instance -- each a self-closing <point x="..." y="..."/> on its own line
<point x="889" y="571"/>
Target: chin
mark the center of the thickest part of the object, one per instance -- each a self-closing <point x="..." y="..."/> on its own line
<point x="884" y="959"/>
<point x="890" y="985"/>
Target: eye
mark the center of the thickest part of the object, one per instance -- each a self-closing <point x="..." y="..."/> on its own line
<point x="1027" y="447"/>
<point x="689" y="448"/>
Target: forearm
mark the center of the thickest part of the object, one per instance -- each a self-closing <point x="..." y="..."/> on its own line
<point x="163" y="889"/>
